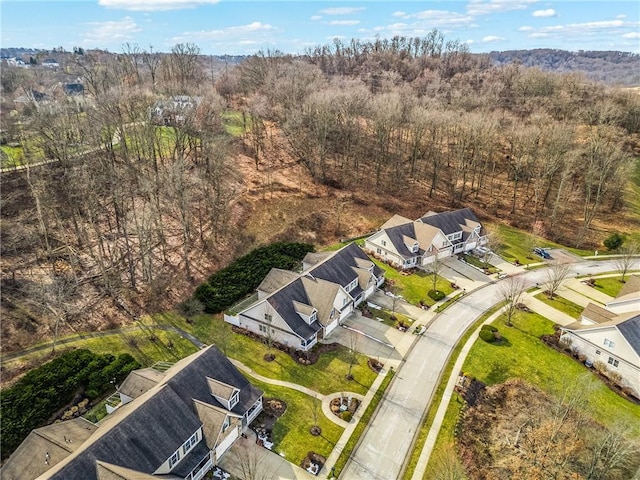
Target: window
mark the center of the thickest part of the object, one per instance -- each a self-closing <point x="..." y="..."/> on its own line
<point x="268" y="317"/>
<point x="190" y="443"/>
<point x="225" y="425"/>
<point x="174" y="459"/>
<point x="612" y="361"/>
<point x="383" y="242"/>
<point x="313" y="317"/>
<point x="609" y="343"/>
<point x="262" y="328"/>
<point x="234" y="399"/>
<point x="378" y="251"/>
<point x="597" y="352"/>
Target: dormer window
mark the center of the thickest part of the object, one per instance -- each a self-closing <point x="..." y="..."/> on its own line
<point x="234" y="399"/>
<point x="226" y="424"/>
<point x="313" y="317"/>
<point x="414" y="248"/>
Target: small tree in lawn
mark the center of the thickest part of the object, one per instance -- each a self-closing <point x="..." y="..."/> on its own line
<point x="393" y="290"/>
<point x="625" y="260"/>
<point x="268" y="332"/>
<point x="435" y="267"/>
<point x="353" y="345"/>
<point x="556" y="275"/>
<point x="511" y="291"/>
<point x="251" y="463"/>
<point x="315" y="409"/>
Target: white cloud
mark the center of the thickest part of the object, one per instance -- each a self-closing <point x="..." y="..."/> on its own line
<point x="344" y="22"/>
<point x="631" y="35"/>
<point x="549" y="12"/>
<point x="316" y="17"/>
<point x="538" y="35"/>
<point x="525" y="28"/>
<point x="102" y="33"/>
<point x="398" y="14"/>
<point x="469" y="42"/>
<point x="336" y="37"/>
<point x="442" y="18"/>
<point x="486" y="7"/>
<point x="492" y="38"/>
<point x="621" y="16"/>
<point x="256" y="32"/>
<point x="154" y="5"/>
<point x="341" y="10"/>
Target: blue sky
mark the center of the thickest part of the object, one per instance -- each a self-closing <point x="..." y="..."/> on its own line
<point x="244" y="27"/>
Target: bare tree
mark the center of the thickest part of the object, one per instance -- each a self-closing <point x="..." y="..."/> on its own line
<point x="511" y="291"/>
<point x="251" y="462"/>
<point x="315" y="405"/>
<point x="625" y="260"/>
<point x="353" y="346"/>
<point x="556" y="275"/>
<point x="434" y="268"/>
<point x="446" y="465"/>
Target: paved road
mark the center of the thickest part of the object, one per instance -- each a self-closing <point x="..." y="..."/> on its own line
<point x="388" y="439"/>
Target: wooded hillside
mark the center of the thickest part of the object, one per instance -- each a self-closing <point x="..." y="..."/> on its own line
<point x="163" y="174"/>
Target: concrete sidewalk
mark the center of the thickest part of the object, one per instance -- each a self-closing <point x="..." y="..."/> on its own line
<point x="556" y="316"/>
<point x="593" y="294"/>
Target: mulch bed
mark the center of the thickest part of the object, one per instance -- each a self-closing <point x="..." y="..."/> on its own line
<point x="313" y="457"/>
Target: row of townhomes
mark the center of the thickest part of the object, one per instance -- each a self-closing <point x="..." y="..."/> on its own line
<point x="175" y="423"/>
<point x="407" y="244"/>
<point x="298" y="309"/>
<point x="611" y="335"/>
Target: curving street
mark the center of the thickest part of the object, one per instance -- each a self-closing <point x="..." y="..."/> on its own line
<point x="387" y="442"/>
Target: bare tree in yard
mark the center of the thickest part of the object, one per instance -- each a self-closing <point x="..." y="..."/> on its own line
<point x="315" y="406"/>
<point x="251" y="461"/>
<point x="511" y="291"/>
<point x="556" y="275"/>
<point x="446" y="465"/>
<point x="353" y="346"/>
<point x="612" y="452"/>
<point x="624" y="261"/>
<point x="152" y="61"/>
<point x="190" y="308"/>
<point x="435" y="268"/>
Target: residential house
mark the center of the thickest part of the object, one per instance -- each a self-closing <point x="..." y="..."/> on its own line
<point x="173" y="424"/>
<point x="298" y="309"/>
<point x="608" y="336"/>
<point x="406" y="243"/>
<point x="174" y="110"/>
<point x="50" y="63"/>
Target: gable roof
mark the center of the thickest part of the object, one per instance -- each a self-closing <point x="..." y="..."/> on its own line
<point x="395" y="221"/>
<point x="630" y="330"/>
<point x="452" y="221"/>
<point x="58" y="440"/>
<point x="142" y="434"/>
<point x="275" y="279"/>
<point x="212" y="418"/>
<point x="140" y="381"/>
<point x="282" y="302"/>
<point x="632" y="285"/>
<point x="597" y="314"/>
<point x="107" y="471"/>
<point x="138" y="441"/>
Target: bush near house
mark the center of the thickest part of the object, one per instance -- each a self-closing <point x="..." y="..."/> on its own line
<point x="35" y="398"/>
<point x="229" y="285"/>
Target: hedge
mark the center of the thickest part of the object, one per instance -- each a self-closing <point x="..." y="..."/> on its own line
<point x="37" y="396"/>
<point x="229" y="285"/>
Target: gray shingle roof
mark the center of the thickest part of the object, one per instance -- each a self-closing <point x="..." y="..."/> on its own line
<point x="630" y="329"/>
<point x="142" y="441"/>
<point x="283" y="302"/>
<point x="398" y="234"/>
<point x="451" y="222"/>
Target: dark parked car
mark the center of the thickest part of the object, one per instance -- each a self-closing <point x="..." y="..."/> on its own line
<point x="542" y="253"/>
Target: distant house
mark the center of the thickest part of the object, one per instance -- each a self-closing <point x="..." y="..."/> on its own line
<point x="73" y="89"/>
<point x="174" y="110"/>
<point x="173" y="424"/>
<point x="406" y="243"/>
<point x="298" y="309"/>
<point x="610" y="336"/>
<point x="50" y="63"/>
<point x="32" y="97"/>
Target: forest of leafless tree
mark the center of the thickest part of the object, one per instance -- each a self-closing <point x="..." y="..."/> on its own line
<point x="151" y="189"/>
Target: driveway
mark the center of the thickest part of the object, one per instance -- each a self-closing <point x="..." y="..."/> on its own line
<point x="462" y="274"/>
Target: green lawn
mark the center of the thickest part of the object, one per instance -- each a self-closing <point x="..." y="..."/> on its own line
<point x="291" y="432"/>
<point x="166" y="346"/>
<point x="233" y="123"/>
<point x="523" y="355"/>
<point x="516" y="244"/>
<point x="609" y="285"/>
<point x="476" y="262"/>
<point x="560" y="303"/>
<point x="326" y="376"/>
<point x="414" y="287"/>
<point x="16" y="155"/>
